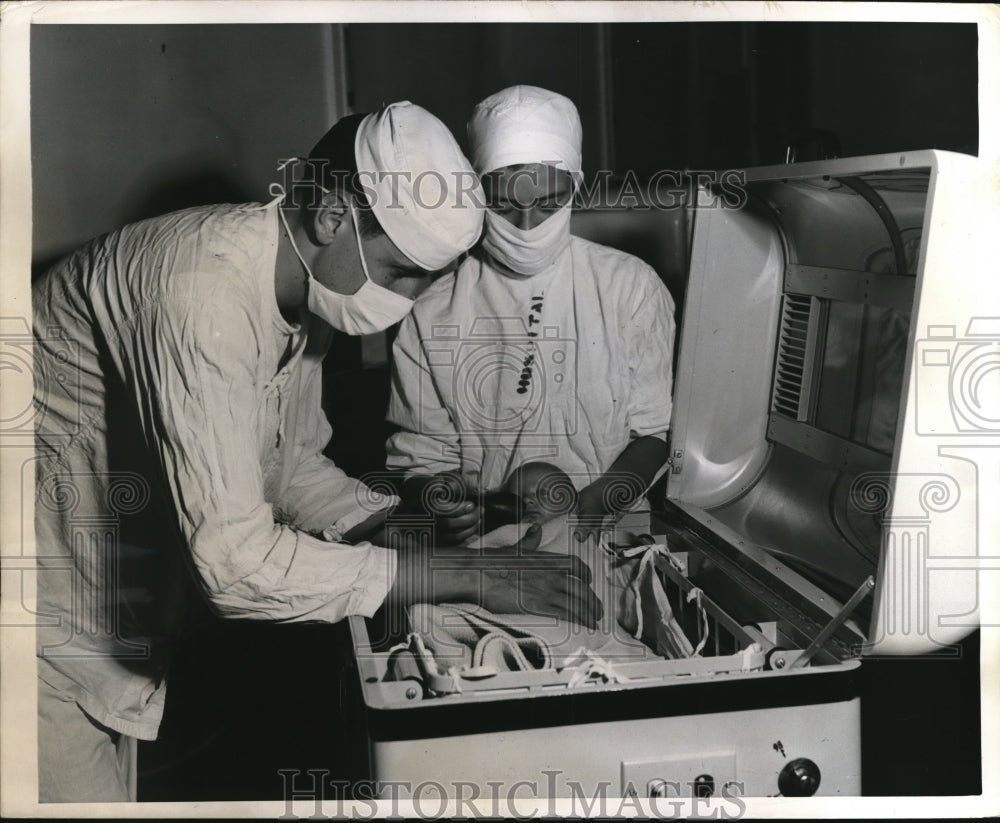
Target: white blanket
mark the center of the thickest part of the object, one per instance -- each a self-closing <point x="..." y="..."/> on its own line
<point x="467" y="639"/>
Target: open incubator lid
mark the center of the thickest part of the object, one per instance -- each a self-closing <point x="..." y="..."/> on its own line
<point x="836" y="396"/>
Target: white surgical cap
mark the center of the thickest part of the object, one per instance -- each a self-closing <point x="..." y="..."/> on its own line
<point x="526" y="124"/>
<point x="421" y="187"/>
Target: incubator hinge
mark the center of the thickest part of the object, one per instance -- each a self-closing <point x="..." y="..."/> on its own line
<point x="676" y="461"/>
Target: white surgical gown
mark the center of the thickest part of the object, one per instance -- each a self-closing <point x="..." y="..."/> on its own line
<point x="589" y="343"/>
<point x="179" y="425"/>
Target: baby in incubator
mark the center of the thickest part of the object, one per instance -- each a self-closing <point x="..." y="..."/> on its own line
<point x="535" y="492"/>
<point x="542" y="491"/>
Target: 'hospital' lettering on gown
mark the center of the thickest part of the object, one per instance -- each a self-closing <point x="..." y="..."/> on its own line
<point x="534" y="318"/>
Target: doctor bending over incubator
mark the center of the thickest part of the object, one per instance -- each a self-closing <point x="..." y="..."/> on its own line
<point x="200" y="337"/>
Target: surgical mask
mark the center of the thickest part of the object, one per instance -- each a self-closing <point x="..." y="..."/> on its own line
<point x="372" y="308"/>
<point x="527" y="252"/>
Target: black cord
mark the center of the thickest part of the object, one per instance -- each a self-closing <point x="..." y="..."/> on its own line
<point x="877" y="203"/>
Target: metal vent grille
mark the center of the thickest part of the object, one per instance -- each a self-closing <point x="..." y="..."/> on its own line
<point x="796" y="346"/>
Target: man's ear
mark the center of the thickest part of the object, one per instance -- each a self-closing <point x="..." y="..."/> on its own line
<point x="332" y="213"/>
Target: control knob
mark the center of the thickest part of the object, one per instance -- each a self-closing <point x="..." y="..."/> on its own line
<point x="799" y="778"/>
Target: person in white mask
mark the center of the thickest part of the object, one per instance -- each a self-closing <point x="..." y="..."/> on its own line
<point x="542" y="346"/>
<point x="180" y="433"/>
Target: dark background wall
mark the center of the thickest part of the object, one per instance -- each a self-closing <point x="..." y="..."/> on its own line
<point x="734" y="94"/>
<point x="695" y="95"/>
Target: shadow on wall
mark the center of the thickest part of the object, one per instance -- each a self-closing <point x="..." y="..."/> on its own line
<point x="168" y="194"/>
<point x="200" y="188"/>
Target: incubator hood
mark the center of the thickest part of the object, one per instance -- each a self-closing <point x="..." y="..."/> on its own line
<point x="836" y="399"/>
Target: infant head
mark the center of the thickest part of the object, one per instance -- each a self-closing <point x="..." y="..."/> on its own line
<point x="545" y="491"/>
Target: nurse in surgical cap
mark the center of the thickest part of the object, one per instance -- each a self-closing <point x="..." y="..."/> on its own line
<point x="542" y="346"/>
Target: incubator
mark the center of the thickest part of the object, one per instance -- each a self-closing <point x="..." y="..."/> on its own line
<point x="831" y="407"/>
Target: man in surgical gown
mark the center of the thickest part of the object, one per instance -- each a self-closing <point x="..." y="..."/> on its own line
<point x="542" y="346"/>
<point x="180" y="433"/>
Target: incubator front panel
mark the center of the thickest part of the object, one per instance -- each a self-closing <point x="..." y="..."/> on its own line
<point x="724" y="754"/>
